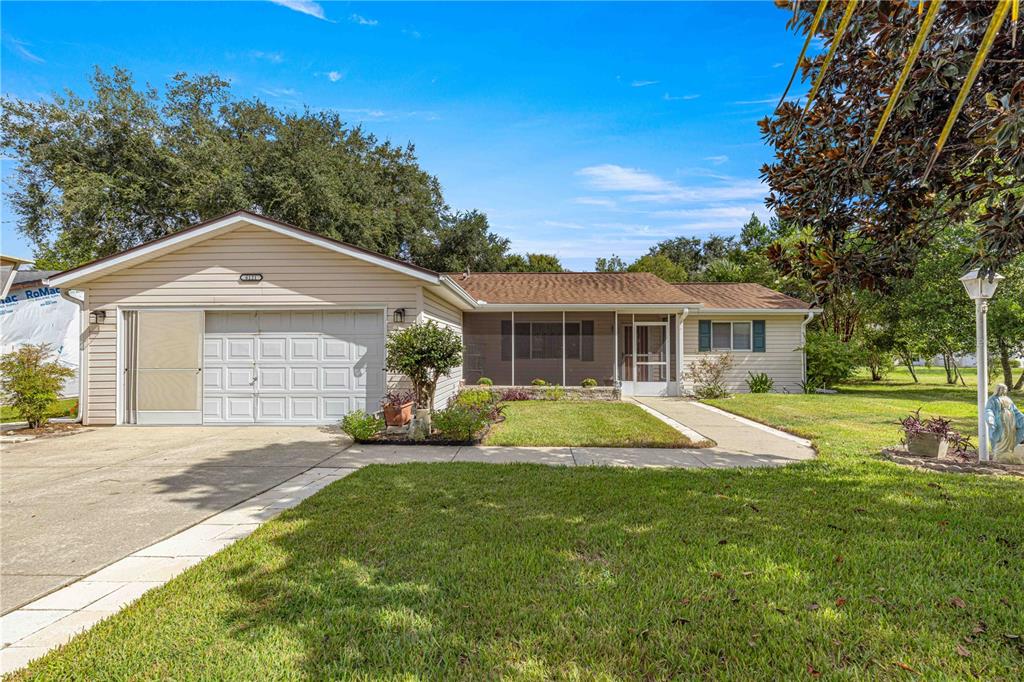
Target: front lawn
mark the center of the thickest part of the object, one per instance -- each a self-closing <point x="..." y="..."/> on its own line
<point x="581" y="424"/>
<point x="844" y="566"/>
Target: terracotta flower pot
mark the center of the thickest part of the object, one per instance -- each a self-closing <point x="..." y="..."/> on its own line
<point x="927" y="445"/>
<point x="398" y="415"/>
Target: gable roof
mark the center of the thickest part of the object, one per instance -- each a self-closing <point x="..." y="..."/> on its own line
<point x="570" y="288"/>
<point x="207" y="228"/>
<point x="739" y="296"/>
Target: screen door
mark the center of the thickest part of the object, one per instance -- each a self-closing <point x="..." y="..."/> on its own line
<point x="163" y="365"/>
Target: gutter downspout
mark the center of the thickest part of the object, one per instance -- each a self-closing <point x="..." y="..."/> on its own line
<point x="679" y="352"/>
<point x="66" y="295"/>
<point x="803" y="342"/>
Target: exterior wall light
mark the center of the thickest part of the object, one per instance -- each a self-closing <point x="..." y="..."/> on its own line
<point x="97" y="316"/>
<point x="399" y="315"/>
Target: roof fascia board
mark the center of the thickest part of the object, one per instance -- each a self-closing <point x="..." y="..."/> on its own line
<point x="760" y="311"/>
<point x="609" y="307"/>
<point x="231" y="221"/>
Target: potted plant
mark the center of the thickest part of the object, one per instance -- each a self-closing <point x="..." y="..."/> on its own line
<point x="397" y="407"/>
<point x="932" y="437"/>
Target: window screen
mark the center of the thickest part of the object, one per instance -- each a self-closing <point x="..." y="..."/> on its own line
<point x="741" y="336"/>
<point x="572" y="340"/>
<point x="547" y="340"/>
<point x="587" y="341"/>
<point x="522" y="340"/>
<point x="506" y="340"/>
<point x="721" y="336"/>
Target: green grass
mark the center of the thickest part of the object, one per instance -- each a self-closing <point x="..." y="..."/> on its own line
<point x="846" y="565"/>
<point x="862" y="418"/>
<point x="580" y="424"/>
<point x="61" y="408"/>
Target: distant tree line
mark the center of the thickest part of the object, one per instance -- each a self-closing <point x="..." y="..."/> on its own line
<point x="103" y="173"/>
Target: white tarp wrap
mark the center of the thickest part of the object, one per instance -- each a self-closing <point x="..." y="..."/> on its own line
<point x="40" y="315"/>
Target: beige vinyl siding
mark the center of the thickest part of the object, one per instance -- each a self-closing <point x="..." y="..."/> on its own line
<point x="782" y="359"/>
<point x="444" y="314"/>
<point x="205" y="274"/>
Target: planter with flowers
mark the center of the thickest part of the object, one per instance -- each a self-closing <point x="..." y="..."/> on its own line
<point x="397" y="407"/>
<point x="933" y="438"/>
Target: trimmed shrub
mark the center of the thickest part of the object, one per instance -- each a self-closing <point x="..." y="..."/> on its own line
<point x="538" y="382"/>
<point x="459" y="422"/>
<point x="476" y="398"/>
<point x="554" y="393"/>
<point x="708" y="374"/>
<point x="484" y="381"/>
<point x="31" y="382"/>
<point x="424" y="353"/>
<point x="760" y="382"/>
<point x="588" y="383"/>
<point x="361" y="426"/>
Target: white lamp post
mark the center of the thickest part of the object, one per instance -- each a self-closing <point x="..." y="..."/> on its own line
<point x="981" y="288"/>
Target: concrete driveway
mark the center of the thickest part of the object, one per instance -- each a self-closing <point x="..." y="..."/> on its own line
<point x="71" y="505"/>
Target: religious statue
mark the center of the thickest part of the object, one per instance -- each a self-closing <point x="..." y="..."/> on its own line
<point x="1005" y="427"/>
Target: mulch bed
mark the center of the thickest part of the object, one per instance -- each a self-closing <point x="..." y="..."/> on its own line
<point x="955" y="465"/>
<point x="434" y="439"/>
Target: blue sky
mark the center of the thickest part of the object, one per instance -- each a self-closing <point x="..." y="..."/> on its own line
<point x="580" y="129"/>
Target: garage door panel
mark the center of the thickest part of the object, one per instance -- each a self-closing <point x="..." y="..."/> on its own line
<point x="238" y="378"/>
<point x="336" y="378"/>
<point x="226" y="323"/>
<point x="303" y="379"/>
<point x="239" y="408"/>
<point x="213" y="379"/>
<point x="304" y="408"/>
<point x="369" y="322"/>
<point x="303" y="348"/>
<point x="337" y="407"/>
<point x="213" y="349"/>
<point x="271" y="408"/>
<point x="336" y="350"/>
<point x="240" y="349"/>
<point x="213" y="409"/>
<point x="337" y="323"/>
<point x="273" y="349"/>
<point x="271" y="378"/>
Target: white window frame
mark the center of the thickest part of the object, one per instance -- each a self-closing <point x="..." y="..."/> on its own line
<point x="732" y="336"/>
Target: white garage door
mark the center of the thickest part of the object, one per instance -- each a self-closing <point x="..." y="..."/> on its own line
<point x="291" y="367"/>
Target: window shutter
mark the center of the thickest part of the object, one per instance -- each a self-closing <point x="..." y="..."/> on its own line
<point x="506" y="340"/>
<point x="758" y="336"/>
<point x="704" y="336"/>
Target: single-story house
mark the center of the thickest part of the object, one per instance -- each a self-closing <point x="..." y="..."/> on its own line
<point x="244" y="319"/>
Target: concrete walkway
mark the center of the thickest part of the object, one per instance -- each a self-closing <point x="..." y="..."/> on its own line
<point x="739" y="441"/>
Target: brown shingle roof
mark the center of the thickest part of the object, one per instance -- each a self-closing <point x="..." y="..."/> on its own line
<point x="569" y="288"/>
<point x="737" y="296"/>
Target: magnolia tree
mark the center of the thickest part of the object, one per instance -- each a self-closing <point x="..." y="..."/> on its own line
<point x="424" y="353"/>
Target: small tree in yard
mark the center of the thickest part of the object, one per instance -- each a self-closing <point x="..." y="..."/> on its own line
<point x="31" y="383"/>
<point x="424" y="353"/>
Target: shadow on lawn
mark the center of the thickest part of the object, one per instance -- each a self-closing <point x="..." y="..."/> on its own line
<point x="481" y="571"/>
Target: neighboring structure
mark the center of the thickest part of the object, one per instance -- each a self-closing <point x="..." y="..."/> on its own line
<point x="8" y="267"/>
<point x="244" y="319"/>
<point x="33" y="313"/>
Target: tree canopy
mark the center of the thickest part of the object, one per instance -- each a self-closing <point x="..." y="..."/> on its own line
<point x="103" y="173"/>
<point x="870" y="218"/>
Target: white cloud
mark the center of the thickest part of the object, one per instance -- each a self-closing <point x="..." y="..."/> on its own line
<point x="678" y="98"/>
<point x="777" y="65"/>
<point x="279" y="92"/>
<point x="309" y="7"/>
<point x="610" y="177"/>
<point x="647" y="187"/>
<point x="563" y="225"/>
<point x="594" y="201"/>
<point x="718" y="160"/>
<point x="19" y="47"/>
<point x="363" y="21"/>
<point x="767" y="100"/>
<point x="335" y="76"/>
<point x="412" y="33"/>
<point x="643" y="84"/>
<point x="272" y="57"/>
<point x="738" y="212"/>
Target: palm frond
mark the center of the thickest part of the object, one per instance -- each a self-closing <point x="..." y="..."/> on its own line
<point x="915" y="50"/>
<point x="998" y="17"/>
<point x="851" y="5"/>
<point x="810" y="36"/>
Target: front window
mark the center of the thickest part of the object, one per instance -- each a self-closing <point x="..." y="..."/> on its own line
<point x="731" y="336"/>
